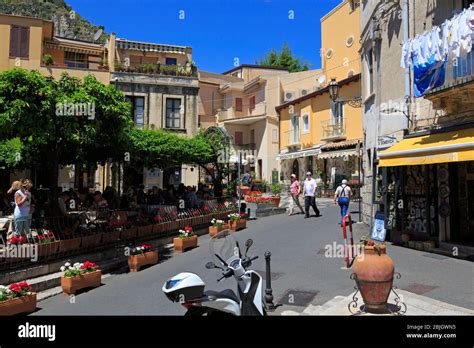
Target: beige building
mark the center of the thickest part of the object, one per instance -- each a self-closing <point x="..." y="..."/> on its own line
<point x="243" y="101"/>
<point x="419" y="153"/>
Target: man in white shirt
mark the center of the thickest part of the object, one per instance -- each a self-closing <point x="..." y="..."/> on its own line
<point x="309" y="188"/>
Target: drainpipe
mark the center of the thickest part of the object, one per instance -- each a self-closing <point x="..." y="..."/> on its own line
<point x="406" y="36"/>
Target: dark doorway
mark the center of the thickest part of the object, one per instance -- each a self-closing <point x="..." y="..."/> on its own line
<point x="296" y="168"/>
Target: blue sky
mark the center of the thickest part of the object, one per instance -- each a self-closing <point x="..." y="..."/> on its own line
<point x="218" y="30"/>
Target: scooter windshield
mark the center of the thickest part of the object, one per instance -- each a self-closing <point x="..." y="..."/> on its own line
<point x="223" y="246"/>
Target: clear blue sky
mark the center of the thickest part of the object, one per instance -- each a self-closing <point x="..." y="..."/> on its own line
<point x="217" y="30"/>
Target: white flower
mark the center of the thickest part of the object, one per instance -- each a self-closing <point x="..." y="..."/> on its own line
<point x="81" y="264"/>
<point x="76" y="264"/>
<point x="67" y="264"/>
<point x="62" y="269"/>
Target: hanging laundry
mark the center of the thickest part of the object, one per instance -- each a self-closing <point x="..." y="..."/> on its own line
<point x="428" y="76"/>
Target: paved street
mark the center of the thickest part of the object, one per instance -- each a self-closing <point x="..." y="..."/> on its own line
<point x="299" y="265"/>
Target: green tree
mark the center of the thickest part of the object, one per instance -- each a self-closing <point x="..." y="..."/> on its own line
<point x="283" y="59"/>
<point x="60" y="122"/>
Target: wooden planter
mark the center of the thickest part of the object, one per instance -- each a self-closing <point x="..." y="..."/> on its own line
<point x="111" y="237"/>
<point x="129" y="233"/>
<point x="135" y="262"/>
<point x="66" y="245"/>
<point x="48" y="249"/>
<point x="237" y="225"/>
<point x="158" y="228"/>
<point x="144" y="231"/>
<point x="181" y="244"/>
<point x="87" y="280"/>
<point x="213" y="230"/>
<point x="91" y="241"/>
<point x="17" y="305"/>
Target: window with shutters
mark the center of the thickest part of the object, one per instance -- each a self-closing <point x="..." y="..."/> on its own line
<point x="238" y="104"/>
<point x="239" y="138"/>
<point x="252" y="103"/>
<point x="19" y="42"/>
<point x="173" y="113"/>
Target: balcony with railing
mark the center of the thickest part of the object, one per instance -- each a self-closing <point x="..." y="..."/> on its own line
<point x="259" y="109"/>
<point x="333" y="130"/>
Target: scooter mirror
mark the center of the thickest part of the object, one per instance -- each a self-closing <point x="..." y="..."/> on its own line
<point x="211" y="265"/>
<point x="248" y="244"/>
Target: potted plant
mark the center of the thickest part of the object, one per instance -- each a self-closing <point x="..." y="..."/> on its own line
<point x="47" y="245"/>
<point x="17" y="298"/>
<point x="185" y="240"/>
<point x="80" y="276"/>
<point x="237" y="221"/>
<point x="217" y="226"/>
<point x="48" y="60"/>
<point x="104" y="65"/>
<point x="373" y="273"/>
<point x="276" y="190"/>
<point x="141" y="255"/>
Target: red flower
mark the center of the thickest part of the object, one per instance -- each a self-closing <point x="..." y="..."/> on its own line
<point x="206" y="208"/>
<point x="41" y="237"/>
<point x="50" y="234"/>
<point x="188" y="229"/>
<point x="159" y="218"/>
<point x="88" y="264"/>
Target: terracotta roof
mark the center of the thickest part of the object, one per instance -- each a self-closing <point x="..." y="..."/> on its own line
<point x="340" y="145"/>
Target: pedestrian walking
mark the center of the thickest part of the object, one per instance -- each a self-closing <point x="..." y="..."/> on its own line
<point x="22" y="212"/>
<point x="295" y="191"/>
<point x="342" y="196"/>
<point x="309" y="188"/>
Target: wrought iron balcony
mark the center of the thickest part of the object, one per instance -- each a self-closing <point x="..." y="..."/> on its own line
<point x="333" y="130"/>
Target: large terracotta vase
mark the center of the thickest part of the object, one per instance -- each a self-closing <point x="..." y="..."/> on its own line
<point x="23" y="304"/>
<point x="373" y="272"/>
<point x="135" y="262"/>
<point x="87" y="280"/>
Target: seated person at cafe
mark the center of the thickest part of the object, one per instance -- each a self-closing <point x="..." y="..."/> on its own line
<point x="99" y="201"/>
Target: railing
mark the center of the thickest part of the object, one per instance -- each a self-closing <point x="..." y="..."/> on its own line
<point x="292" y="138"/>
<point x="333" y="130"/>
<point x="156" y="69"/>
<point x="259" y="109"/>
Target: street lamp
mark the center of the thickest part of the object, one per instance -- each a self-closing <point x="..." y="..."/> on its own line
<point x="334" y="89"/>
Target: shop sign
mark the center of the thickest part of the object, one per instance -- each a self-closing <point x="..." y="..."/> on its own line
<point x="386" y="141"/>
<point x="378" y="230"/>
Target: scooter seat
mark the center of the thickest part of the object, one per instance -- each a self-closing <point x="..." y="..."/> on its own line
<point x="227" y="293"/>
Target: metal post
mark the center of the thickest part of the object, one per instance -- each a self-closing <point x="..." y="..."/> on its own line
<point x="238" y="178"/>
<point x="268" y="290"/>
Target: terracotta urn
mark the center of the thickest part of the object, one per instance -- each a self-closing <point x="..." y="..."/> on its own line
<point x="373" y="272"/>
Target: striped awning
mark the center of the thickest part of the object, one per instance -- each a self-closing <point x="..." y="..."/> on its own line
<point x="149" y="47"/>
<point x="299" y="154"/>
<point x="73" y="48"/>
<point x="338" y="153"/>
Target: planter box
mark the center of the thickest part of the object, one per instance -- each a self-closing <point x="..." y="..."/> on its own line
<point x="181" y="244"/>
<point x="48" y="249"/>
<point x="88" y="280"/>
<point x="419" y="245"/>
<point x="158" y="228"/>
<point x="237" y="225"/>
<point x="129" y="233"/>
<point x="429" y="245"/>
<point x="135" y="262"/>
<point x="24" y="304"/>
<point x="213" y="230"/>
<point x="143" y="231"/>
<point x="91" y="241"/>
<point x="411" y="244"/>
<point x="69" y="244"/>
<point x="110" y="237"/>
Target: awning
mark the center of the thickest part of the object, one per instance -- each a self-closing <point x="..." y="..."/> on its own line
<point x="299" y="154"/>
<point x="339" y="153"/>
<point x="456" y="146"/>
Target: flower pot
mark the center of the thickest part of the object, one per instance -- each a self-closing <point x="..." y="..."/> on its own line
<point x="48" y="249"/>
<point x="276" y="201"/>
<point x="111" y="237"/>
<point x="135" y="262"/>
<point x="66" y="245"/>
<point x="374" y="277"/>
<point x="87" y="280"/>
<point x="237" y="225"/>
<point x="91" y="241"/>
<point x="213" y="230"/>
<point x="181" y="244"/>
<point x="129" y="233"/>
<point x="23" y="304"/>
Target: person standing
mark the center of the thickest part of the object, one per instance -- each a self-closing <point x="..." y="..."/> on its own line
<point x="295" y="190"/>
<point x="309" y="187"/>
<point x="342" y="196"/>
<point x="22" y="213"/>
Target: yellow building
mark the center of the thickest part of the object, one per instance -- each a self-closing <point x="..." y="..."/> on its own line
<point x="323" y="133"/>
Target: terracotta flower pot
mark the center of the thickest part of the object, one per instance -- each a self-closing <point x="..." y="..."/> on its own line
<point x="66" y="245"/>
<point x="213" y="230"/>
<point x="181" y="244"/>
<point x="110" y="237"/>
<point x="237" y="225"/>
<point x="91" y="241"/>
<point x="135" y="262"/>
<point x="48" y="249"/>
<point x="87" y="280"/>
<point x="23" y="304"/>
<point x="276" y="201"/>
<point x="374" y="277"/>
<point x="129" y="233"/>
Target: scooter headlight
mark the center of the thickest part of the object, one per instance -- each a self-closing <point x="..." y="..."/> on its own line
<point x="172" y="283"/>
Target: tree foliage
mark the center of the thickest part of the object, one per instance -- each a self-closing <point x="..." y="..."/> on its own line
<point x="283" y="59"/>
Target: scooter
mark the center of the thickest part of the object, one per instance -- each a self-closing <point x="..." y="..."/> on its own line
<point x="188" y="288"/>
